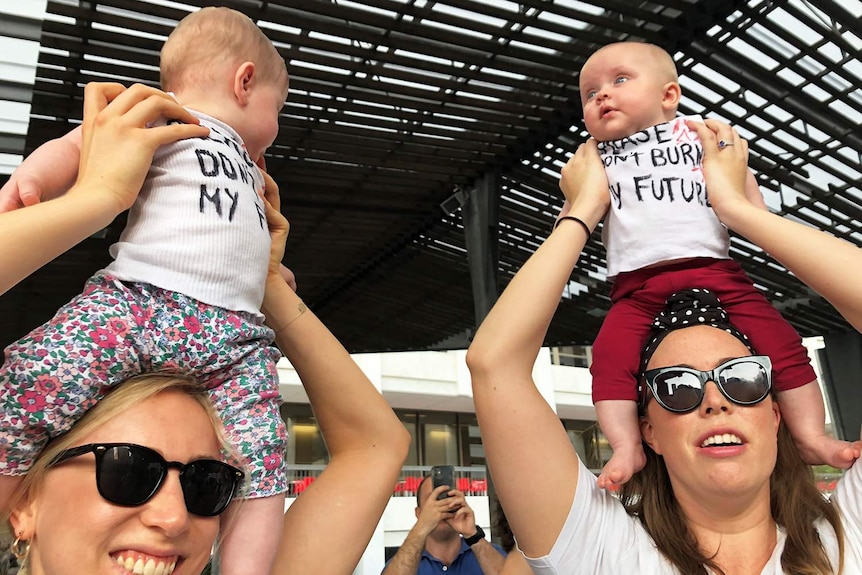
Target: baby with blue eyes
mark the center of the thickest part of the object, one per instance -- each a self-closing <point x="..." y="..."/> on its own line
<point x="662" y="236"/>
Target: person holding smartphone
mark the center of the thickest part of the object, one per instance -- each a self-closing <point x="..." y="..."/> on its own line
<point x="445" y="537"/>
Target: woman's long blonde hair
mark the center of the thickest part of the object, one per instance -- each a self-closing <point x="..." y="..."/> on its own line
<point x="795" y="502"/>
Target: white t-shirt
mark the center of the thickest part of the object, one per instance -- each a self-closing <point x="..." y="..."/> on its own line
<point x="659" y="207"/>
<point x="198" y="226"/>
<point x="600" y="538"/>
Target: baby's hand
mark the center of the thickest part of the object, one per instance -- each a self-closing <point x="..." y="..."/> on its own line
<point x="20" y="191"/>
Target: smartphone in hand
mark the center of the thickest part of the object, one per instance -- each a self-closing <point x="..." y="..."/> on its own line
<point x="443" y="475"/>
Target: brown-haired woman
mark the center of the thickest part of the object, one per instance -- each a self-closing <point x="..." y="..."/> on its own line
<point x="726" y="491"/>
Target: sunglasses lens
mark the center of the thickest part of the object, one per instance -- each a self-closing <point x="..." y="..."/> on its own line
<point x="128" y="475"/>
<point x="678" y="390"/>
<point x="208" y="486"/>
<point x="745" y="382"/>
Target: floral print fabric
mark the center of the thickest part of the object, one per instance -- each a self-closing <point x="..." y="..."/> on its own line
<point x="115" y="330"/>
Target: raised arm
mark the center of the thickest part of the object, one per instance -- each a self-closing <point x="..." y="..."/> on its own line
<point x="328" y="528"/>
<point x="831" y="266"/>
<point x="116" y="153"/>
<point x="534" y="466"/>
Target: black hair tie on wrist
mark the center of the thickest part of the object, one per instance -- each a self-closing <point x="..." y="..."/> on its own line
<point x="576" y="219"/>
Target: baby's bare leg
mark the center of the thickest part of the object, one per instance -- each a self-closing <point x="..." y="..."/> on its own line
<point x="251" y="533"/>
<point x="619" y="422"/>
<point x="805" y="415"/>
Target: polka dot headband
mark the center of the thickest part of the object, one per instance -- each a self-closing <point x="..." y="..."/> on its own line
<point x="687" y="308"/>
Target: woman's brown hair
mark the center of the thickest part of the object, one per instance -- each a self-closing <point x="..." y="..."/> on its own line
<point x="795" y="502"/>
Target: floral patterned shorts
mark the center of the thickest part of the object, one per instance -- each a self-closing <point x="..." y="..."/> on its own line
<point x="115" y="330"/>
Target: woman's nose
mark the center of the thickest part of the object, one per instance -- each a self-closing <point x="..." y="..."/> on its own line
<point x="713" y="399"/>
<point x="166" y="510"/>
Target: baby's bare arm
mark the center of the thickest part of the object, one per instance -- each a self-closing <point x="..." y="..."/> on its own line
<point x="45" y="174"/>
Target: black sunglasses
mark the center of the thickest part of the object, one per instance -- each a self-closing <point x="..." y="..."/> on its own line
<point x="744" y="381"/>
<point x="130" y="475"/>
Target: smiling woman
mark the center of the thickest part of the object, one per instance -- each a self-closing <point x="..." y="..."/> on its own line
<point x="138" y="483"/>
<point x="129" y="508"/>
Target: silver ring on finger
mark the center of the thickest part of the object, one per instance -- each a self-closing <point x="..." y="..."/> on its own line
<point x="722" y="144"/>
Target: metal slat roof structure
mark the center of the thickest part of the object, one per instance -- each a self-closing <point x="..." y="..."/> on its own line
<point x="396" y="107"/>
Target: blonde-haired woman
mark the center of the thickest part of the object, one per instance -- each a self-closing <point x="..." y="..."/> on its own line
<point x="104" y="493"/>
<point x="85" y="506"/>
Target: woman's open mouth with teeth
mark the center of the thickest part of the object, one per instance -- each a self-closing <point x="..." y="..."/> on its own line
<point x="145" y="564"/>
<point x="721" y="439"/>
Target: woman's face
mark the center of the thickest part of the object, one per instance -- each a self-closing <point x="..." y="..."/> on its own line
<point x="698" y="470"/>
<point x="75" y="530"/>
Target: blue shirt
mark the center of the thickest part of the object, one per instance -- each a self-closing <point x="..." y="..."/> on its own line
<point x="465" y="563"/>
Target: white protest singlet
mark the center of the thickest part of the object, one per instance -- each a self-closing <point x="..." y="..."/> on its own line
<point x="198" y="226"/>
<point x="659" y="207"/>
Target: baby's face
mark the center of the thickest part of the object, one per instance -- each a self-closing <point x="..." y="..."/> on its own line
<point x="260" y="123"/>
<point x="622" y="87"/>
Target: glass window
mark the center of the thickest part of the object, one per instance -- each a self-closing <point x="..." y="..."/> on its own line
<point x="305" y="444"/>
<point x="439" y="439"/>
<point x="589" y="442"/>
<point x="472" y="450"/>
<point x="409" y="421"/>
<point x="441" y="444"/>
<point x="572" y="355"/>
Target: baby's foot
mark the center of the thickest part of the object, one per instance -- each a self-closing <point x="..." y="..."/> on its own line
<point x="820" y="449"/>
<point x="625" y="461"/>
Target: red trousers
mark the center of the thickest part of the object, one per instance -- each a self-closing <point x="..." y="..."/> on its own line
<point x="637" y="297"/>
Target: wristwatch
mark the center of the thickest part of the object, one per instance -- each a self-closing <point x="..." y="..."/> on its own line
<point x="473" y="539"/>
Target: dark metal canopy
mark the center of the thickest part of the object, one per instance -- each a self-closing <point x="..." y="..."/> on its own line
<point x="398" y="108"/>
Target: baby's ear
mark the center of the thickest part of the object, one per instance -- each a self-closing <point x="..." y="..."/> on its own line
<point x="243" y="81"/>
<point x="670" y="96"/>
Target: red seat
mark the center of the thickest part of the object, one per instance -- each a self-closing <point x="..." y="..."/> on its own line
<point x="301" y="485"/>
<point x="463" y="485"/>
<point x="411" y="484"/>
<point x="479" y="486"/>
